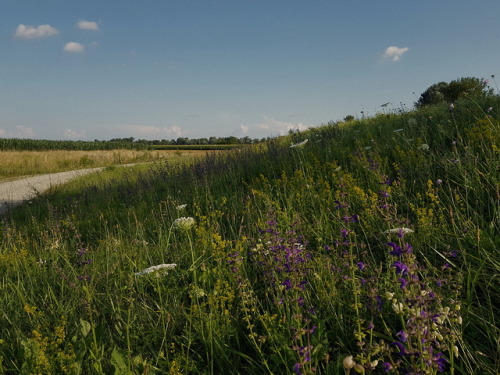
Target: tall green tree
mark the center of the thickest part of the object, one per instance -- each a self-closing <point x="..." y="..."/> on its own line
<point x="443" y="92"/>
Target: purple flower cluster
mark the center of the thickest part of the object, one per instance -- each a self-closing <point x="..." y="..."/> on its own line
<point x="282" y="261"/>
<point x="420" y="343"/>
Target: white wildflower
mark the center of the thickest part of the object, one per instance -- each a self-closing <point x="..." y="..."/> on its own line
<point x="424" y="147"/>
<point x="389" y="295"/>
<point x="301" y="144"/>
<point x="181" y="207"/>
<point x="159" y="267"/>
<point x="455" y="351"/>
<point x="183" y="223"/>
<point x="397" y="307"/>
<point x="348" y="362"/>
<point x="398" y="231"/>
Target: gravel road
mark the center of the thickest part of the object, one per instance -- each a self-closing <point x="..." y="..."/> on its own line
<point x="15" y="192"/>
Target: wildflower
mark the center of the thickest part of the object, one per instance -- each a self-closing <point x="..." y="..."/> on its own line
<point x="181" y="207"/>
<point x="451" y="107"/>
<point x="440" y="362"/>
<point x="412" y="121"/>
<point x="159" y="267"/>
<point x="396" y="249"/>
<point x="361" y="266"/>
<point x="301" y="144"/>
<point x="399" y="231"/>
<point x="348" y="362"/>
<point x="402" y="336"/>
<point x="401" y="347"/>
<point x="403" y="282"/>
<point x="439" y="181"/>
<point x="296" y="369"/>
<point x="424" y="147"/>
<point x="401" y="268"/>
<point x="183" y="223"/>
<point x="386" y="366"/>
<point x="490" y="109"/>
<point x="397" y="307"/>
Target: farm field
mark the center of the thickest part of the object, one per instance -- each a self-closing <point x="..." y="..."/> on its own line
<point x="369" y="246"/>
<point x="24" y="163"/>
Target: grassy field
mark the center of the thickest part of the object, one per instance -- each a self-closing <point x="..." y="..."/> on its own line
<point x="363" y="247"/>
<point x="24" y="163"/>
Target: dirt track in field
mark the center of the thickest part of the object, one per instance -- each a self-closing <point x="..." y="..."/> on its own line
<point x="15" y="192"/>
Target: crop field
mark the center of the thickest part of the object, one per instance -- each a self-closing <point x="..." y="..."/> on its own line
<point x="368" y="247"/>
<point x="24" y="163"/>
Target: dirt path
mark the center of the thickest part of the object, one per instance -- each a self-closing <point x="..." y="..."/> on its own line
<point x="15" y="192"/>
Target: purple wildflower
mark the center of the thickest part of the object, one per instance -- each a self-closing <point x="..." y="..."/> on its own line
<point x="440" y="362"/>
<point x="401" y="268"/>
<point x="402" y="336"/>
<point x="396" y="249"/>
<point x="386" y="366"/>
<point x="361" y="266"/>
<point x="296" y="369"/>
<point x="403" y="283"/>
<point x="401" y="348"/>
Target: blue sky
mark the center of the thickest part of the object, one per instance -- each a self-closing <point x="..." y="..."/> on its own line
<point x="163" y="69"/>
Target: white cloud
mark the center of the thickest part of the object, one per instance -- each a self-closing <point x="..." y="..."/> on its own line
<point x="87" y="25"/>
<point x="73" y="47"/>
<point x="148" y="131"/>
<point x="394" y="53"/>
<point x="244" y="128"/>
<point x="73" y="134"/>
<point x="32" y="32"/>
<point x="271" y="127"/>
<point x="23" y="132"/>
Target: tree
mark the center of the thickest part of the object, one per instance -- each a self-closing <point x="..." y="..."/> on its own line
<point x="443" y="92"/>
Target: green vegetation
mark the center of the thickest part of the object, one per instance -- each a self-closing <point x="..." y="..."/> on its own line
<point x="368" y="246"/>
<point x="442" y="92"/>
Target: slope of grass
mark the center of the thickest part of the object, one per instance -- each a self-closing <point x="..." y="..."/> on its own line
<point x="369" y="246"/>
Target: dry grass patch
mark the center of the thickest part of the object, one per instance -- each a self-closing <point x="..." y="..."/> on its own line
<point x="23" y="163"/>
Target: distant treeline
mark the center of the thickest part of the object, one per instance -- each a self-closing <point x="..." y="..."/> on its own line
<point x="196" y="141"/>
<point x="18" y="144"/>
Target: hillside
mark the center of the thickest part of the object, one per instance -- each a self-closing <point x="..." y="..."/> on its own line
<point x="369" y="246"/>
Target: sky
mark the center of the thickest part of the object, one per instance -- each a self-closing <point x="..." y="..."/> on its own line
<point x="164" y="69"/>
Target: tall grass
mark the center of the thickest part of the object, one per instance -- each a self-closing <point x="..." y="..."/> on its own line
<point x="369" y="246"/>
<point x="24" y="163"/>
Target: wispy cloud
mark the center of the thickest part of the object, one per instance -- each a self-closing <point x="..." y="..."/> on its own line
<point x="87" y="25"/>
<point x="148" y="131"/>
<point x="23" y="132"/>
<point x="74" y="47"/>
<point x="394" y="53"/>
<point x="73" y="134"/>
<point x="271" y="127"/>
<point x="33" y="32"/>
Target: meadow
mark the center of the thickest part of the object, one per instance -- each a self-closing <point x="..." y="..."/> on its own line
<point x="369" y="246"/>
<point x="14" y="164"/>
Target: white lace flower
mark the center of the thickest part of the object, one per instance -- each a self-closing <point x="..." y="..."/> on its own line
<point x="398" y="231"/>
<point x="181" y="207"/>
<point x="183" y="223"/>
<point x="301" y="144"/>
<point x="159" y="267"/>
